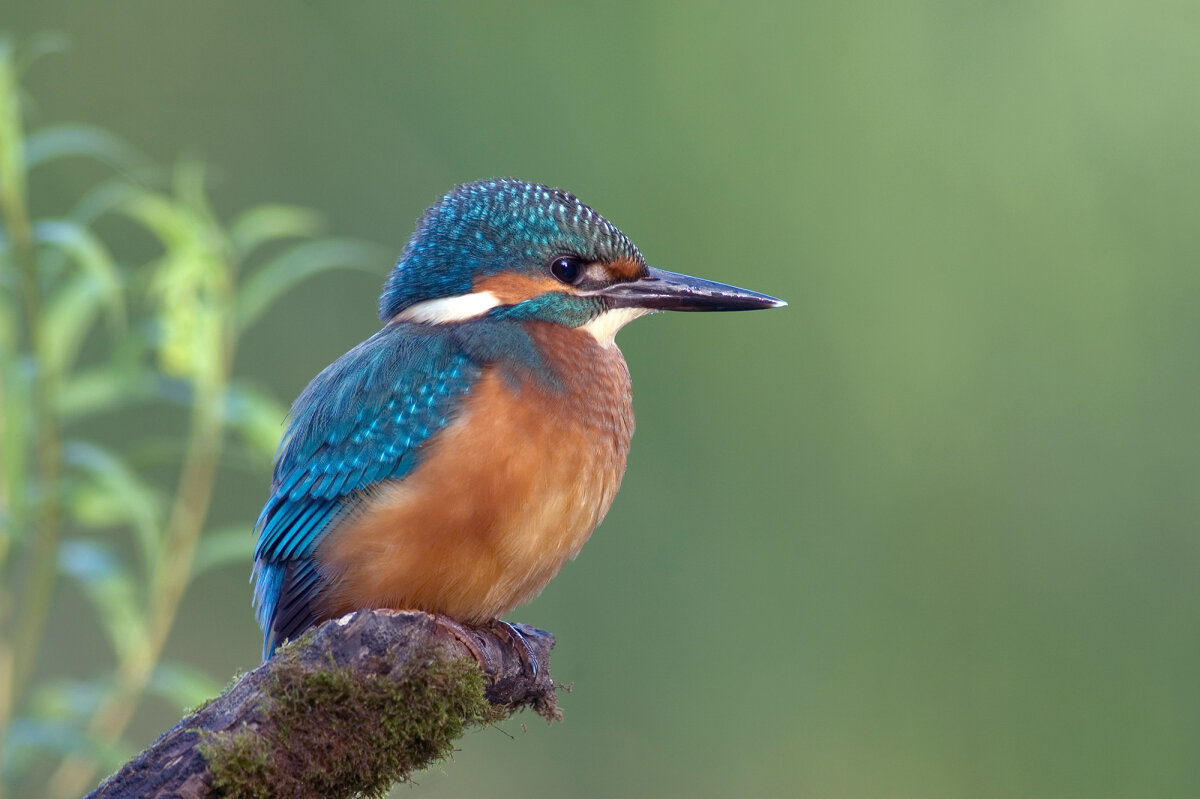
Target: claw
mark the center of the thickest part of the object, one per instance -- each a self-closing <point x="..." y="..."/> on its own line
<point x="464" y="634"/>
<point x="514" y="635"/>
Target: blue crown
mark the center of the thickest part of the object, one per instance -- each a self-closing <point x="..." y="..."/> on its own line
<point x="494" y="226"/>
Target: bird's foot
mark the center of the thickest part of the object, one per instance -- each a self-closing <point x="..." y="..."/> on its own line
<point x="509" y="631"/>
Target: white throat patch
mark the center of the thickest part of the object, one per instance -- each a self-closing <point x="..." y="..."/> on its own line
<point x="449" y="309"/>
<point x="605" y="326"/>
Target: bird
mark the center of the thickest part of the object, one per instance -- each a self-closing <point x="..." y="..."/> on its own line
<point x="456" y="459"/>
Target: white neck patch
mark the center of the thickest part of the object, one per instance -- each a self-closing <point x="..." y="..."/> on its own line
<point x="605" y="326"/>
<point x="449" y="309"/>
<point x="471" y="306"/>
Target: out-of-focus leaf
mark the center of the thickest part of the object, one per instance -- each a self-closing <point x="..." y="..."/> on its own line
<point x="103" y="388"/>
<point x="183" y="685"/>
<point x="189" y="184"/>
<point x="257" y="416"/>
<point x="41" y="44"/>
<point x="191" y="286"/>
<point x="67" y="699"/>
<point x="90" y="254"/>
<point x="104" y="198"/>
<point x="28" y="736"/>
<point x="109" y="586"/>
<point x="296" y="264"/>
<point x="62" y="141"/>
<point x="119" y="496"/>
<point x="66" y="321"/>
<point x="173" y="224"/>
<point x="267" y="223"/>
<point x="223" y="547"/>
<point x="87" y="250"/>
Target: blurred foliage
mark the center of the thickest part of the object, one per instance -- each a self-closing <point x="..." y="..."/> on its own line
<point x="92" y="325"/>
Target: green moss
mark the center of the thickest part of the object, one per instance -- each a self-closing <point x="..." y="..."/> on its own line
<point x="328" y="732"/>
<point x="244" y="764"/>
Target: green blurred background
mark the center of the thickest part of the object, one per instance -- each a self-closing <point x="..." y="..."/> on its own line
<point x="931" y="531"/>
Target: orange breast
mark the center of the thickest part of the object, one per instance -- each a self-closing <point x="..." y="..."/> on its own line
<point x="502" y="498"/>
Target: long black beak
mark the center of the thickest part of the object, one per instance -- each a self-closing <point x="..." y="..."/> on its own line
<point x="661" y="290"/>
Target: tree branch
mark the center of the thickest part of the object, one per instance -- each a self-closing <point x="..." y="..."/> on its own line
<point x="350" y="708"/>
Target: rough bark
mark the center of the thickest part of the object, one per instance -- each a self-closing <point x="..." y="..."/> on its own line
<point x="365" y="649"/>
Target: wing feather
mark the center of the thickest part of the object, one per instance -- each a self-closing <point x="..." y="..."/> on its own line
<point x="405" y="384"/>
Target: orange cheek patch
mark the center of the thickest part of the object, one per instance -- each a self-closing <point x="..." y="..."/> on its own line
<point x="511" y="289"/>
<point x="626" y="268"/>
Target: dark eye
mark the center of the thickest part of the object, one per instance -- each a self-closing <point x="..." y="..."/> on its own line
<point x="567" y="269"/>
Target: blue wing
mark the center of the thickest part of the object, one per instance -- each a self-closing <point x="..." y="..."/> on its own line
<point x="360" y="421"/>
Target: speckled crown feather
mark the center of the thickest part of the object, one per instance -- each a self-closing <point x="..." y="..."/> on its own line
<point x="492" y="226"/>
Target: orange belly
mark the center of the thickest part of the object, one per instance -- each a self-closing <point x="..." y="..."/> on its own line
<point x="502" y="498"/>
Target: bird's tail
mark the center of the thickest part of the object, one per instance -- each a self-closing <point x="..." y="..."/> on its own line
<point x="268" y="586"/>
<point x="285" y="599"/>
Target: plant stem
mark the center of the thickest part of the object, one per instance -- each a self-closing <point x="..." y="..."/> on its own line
<point x="170" y="575"/>
<point x="17" y="664"/>
<point x="48" y="447"/>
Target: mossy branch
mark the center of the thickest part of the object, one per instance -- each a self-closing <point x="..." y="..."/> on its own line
<point x="347" y="710"/>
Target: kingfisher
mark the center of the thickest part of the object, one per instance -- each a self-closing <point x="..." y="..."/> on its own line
<point x="455" y="460"/>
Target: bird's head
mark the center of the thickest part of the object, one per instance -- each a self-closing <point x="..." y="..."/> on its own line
<point x="508" y="248"/>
